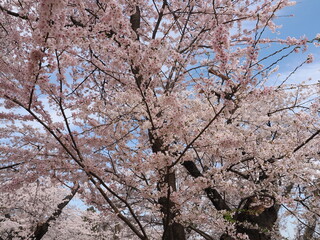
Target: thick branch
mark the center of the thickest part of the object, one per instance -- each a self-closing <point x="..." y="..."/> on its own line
<point x="122" y="200"/>
<point x="135" y="21"/>
<point x="306" y="141"/>
<point x="14" y="14"/>
<point x="117" y="211"/>
<point x="42" y="228"/>
<point x="155" y="30"/>
<point x="214" y="196"/>
<point x="11" y="166"/>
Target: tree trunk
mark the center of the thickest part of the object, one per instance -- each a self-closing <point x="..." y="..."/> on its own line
<point x="262" y="219"/>
<point x="172" y="229"/>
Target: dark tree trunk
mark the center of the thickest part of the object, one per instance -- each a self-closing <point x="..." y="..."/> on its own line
<point x="175" y="231"/>
<point x="261" y="219"/>
<point x="172" y="230"/>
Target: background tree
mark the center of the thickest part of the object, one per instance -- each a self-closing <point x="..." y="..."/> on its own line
<point x="39" y="211"/>
<point x="161" y="111"/>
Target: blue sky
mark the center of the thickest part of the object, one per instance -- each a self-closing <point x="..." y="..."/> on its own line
<point x="304" y="21"/>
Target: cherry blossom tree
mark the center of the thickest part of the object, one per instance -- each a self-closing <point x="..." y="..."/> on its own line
<point x="39" y="211"/>
<point x="163" y="115"/>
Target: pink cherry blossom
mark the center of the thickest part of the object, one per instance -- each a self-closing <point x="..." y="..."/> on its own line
<point x="160" y="117"/>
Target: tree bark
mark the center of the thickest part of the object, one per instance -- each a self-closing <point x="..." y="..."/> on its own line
<point x="172" y="230"/>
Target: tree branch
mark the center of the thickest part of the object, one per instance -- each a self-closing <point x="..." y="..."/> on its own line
<point x="42" y="228"/>
<point x="195" y="139"/>
<point x="14" y="14"/>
